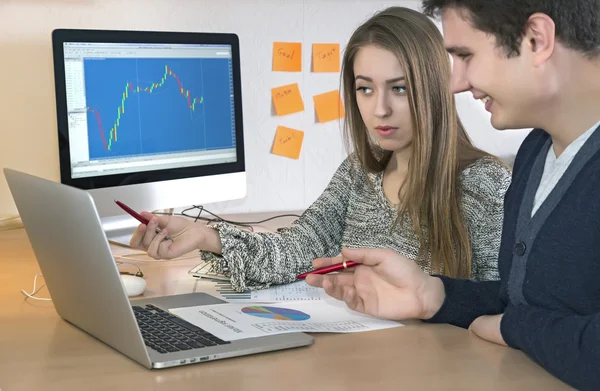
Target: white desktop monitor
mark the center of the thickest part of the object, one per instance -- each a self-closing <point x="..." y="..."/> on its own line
<point x="150" y="118"/>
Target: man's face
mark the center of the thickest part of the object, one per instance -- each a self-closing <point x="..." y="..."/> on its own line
<point x="504" y="85"/>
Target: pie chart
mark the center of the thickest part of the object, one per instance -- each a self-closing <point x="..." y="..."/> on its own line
<point x="277" y="313"/>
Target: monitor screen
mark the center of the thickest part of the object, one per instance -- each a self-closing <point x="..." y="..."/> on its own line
<point x="142" y="107"/>
<point x="150" y="118"/>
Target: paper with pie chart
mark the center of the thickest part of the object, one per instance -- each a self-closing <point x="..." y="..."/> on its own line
<point x="277" y="313"/>
<point x="233" y="321"/>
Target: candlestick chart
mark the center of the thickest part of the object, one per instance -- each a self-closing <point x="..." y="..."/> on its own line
<point x="157" y="105"/>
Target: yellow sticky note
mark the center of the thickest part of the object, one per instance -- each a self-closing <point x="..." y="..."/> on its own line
<point x="287" y="56"/>
<point x="288" y="142"/>
<point x="326" y="57"/>
<point x="287" y="99"/>
<point x="329" y="106"/>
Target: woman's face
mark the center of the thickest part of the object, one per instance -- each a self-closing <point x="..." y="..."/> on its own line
<point x="382" y="98"/>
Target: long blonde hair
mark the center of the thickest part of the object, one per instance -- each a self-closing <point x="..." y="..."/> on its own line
<point x="430" y="194"/>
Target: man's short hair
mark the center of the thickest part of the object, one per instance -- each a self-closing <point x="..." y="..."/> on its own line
<point x="577" y="21"/>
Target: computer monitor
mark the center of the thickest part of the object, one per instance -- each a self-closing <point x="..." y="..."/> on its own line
<point x="150" y="118"/>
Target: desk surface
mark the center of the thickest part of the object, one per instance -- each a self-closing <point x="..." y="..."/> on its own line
<point x="39" y="351"/>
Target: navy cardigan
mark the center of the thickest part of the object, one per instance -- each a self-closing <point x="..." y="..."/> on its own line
<point x="549" y="288"/>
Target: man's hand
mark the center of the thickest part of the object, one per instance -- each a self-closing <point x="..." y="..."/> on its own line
<point x="385" y="285"/>
<point x="488" y="327"/>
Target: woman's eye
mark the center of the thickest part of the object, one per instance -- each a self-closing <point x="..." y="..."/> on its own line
<point x="366" y="90"/>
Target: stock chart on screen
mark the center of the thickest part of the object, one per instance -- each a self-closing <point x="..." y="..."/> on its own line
<point x="146" y="106"/>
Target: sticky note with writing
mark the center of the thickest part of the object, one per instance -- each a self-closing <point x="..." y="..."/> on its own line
<point x="329" y="106"/>
<point x="288" y="142"/>
<point x="326" y="57"/>
<point x="287" y="56"/>
<point x="287" y="99"/>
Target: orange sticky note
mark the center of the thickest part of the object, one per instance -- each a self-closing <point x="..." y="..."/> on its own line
<point x="288" y="142"/>
<point x="287" y="99"/>
<point x="329" y="106"/>
<point x="287" y="56"/>
<point x="326" y="57"/>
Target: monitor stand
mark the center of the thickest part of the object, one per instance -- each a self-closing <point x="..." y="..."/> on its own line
<point x="119" y="229"/>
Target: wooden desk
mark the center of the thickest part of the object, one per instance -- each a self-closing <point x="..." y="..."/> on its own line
<point x="39" y="351"/>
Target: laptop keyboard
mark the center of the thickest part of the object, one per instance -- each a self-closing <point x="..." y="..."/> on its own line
<point x="167" y="333"/>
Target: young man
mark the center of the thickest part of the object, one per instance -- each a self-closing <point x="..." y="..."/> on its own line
<point x="535" y="64"/>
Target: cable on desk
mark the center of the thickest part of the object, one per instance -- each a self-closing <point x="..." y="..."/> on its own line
<point x="9" y="223"/>
<point x="129" y="256"/>
<point x="34" y="290"/>
<point x="217" y="219"/>
<point x="14" y="217"/>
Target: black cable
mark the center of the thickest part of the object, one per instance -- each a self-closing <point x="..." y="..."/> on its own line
<point x="219" y="219"/>
<point x="240" y="222"/>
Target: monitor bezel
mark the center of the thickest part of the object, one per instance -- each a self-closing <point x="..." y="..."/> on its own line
<point x="62" y="36"/>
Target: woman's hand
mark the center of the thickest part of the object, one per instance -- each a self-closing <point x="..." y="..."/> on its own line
<point x="186" y="237"/>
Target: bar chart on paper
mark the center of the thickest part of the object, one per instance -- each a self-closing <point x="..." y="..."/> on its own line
<point x="345" y="326"/>
<point x="296" y="291"/>
<point x="158" y="105"/>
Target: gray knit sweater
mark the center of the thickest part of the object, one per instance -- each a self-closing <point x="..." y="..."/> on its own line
<point x="354" y="212"/>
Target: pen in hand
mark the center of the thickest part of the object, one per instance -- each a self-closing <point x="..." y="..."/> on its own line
<point x="329" y="269"/>
<point x="138" y="217"/>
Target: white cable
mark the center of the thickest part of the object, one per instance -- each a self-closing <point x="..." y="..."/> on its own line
<point x="34" y="291"/>
<point x="8" y="218"/>
<point x="128" y="256"/>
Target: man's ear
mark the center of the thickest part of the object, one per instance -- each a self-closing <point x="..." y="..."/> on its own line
<point x="539" y="38"/>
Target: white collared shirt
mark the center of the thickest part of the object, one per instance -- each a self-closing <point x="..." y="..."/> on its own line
<point x="554" y="168"/>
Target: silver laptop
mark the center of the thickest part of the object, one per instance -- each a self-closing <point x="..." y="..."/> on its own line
<point x="76" y="261"/>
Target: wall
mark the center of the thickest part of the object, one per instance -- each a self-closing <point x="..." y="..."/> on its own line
<point x="27" y="109"/>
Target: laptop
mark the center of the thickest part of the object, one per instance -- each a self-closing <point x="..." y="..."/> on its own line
<point x="84" y="283"/>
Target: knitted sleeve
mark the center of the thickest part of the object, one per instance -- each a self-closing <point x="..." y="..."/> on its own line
<point x="255" y="260"/>
<point x="484" y="184"/>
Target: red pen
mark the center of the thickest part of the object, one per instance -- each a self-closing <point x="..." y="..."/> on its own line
<point x="329" y="269"/>
<point x="138" y="216"/>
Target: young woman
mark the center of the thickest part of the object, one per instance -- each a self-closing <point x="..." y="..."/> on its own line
<point x="413" y="183"/>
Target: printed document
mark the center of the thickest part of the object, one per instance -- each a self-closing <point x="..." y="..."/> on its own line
<point x="295" y="291"/>
<point x="233" y="321"/>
